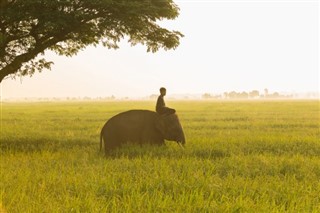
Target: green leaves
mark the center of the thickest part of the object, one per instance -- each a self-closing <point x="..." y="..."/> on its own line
<point x="32" y="66"/>
<point x="28" y="27"/>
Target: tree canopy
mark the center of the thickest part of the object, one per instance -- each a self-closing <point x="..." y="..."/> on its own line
<point x="29" y="27"/>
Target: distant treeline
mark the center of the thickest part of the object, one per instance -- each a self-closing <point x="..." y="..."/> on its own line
<point x="254" y="94"/>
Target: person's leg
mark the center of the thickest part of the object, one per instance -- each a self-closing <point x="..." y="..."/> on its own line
<point x="169" y="110"/>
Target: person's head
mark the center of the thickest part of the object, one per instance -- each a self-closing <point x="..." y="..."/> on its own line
<point x="163" y="91"/>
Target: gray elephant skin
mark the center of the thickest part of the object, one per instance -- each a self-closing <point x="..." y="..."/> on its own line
<point x="141" y="126"/>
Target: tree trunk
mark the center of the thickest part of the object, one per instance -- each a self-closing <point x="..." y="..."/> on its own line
<point x="5" y="72"/>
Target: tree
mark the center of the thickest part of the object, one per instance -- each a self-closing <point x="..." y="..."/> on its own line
<point x="243" y="95"/>
<point x="226" y="95"/>
<point x="233" y="94"/>
<point x="275" y="95"/>
<point x="266" y="92"/>
<point x="254" y="94"/>
<point x="206" y="96"/>
<point x="29" y="27"/>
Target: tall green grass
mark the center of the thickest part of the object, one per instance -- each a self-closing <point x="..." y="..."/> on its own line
<point x="240" y="157"/>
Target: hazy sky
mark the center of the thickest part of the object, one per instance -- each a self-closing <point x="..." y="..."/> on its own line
<point x="228" y="45"/>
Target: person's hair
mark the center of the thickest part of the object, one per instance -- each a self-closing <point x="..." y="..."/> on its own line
<point x="162" y="89"/>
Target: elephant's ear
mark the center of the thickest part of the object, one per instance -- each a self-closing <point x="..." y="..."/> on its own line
<point x="159" y="123"/>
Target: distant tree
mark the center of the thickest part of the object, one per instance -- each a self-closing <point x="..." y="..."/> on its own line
<point x="233" y="94"/>
<point x="86" y="98"/>
<point x="244" y="95"/>
<point x="29" y="27"/>
<point x="226" y="95"/>
<point x="206" y="96"/>
<point x="275" y="95"/>
<point x="254" y="94"/>
<point x="266" y="92"/>
<point x="153" y="96"/>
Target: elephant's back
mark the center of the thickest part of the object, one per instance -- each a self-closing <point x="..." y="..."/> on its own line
<point x="132" y="118"/>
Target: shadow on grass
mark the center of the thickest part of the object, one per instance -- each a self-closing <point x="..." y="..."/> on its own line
<point x="167" y="151"/>
<point x="27" y="145"/>
<point x="171" y="150"/>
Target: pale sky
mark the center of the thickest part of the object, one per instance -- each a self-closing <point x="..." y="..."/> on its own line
<point x="228" y="45"/>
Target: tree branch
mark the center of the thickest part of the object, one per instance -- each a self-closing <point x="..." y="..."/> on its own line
<point x="19" y="60"/>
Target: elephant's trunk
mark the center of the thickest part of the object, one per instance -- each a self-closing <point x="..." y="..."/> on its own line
<point x="182" y="140"/>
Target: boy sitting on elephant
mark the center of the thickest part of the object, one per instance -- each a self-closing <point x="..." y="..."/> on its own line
<point x="161" y="106"/>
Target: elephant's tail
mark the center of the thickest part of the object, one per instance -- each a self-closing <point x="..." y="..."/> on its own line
<point x="100" y="141"/>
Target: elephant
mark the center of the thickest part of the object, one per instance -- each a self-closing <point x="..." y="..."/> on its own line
<point x="141" y="126"/>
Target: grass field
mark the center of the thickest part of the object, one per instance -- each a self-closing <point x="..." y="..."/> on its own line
<point x="249" y="156"/>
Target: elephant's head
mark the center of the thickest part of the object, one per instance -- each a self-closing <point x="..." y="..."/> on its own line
<point x="171" y="129"/>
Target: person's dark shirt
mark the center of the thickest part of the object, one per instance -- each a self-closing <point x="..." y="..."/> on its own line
<point x="160" y="104"/>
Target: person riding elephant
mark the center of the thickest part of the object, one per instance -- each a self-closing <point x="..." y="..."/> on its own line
<point x="161" y="106"/>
